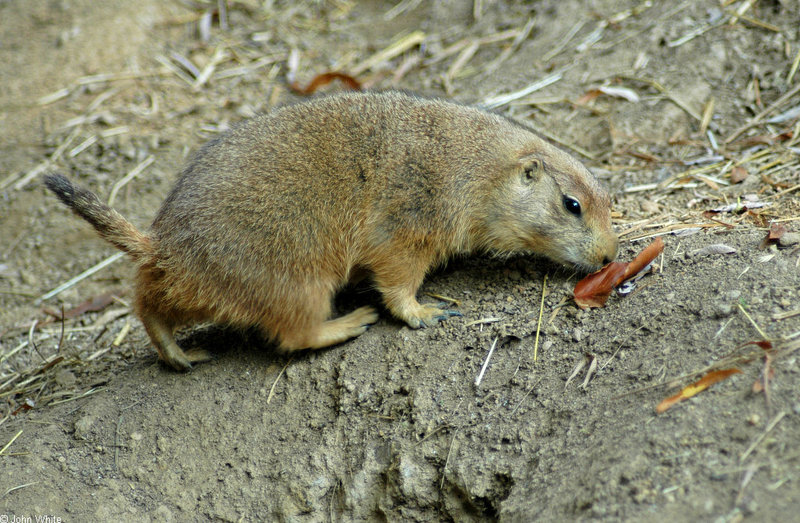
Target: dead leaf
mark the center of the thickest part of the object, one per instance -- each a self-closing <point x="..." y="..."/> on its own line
<point x="26" y="405"/>
<point x="738" y="174"/>
<point x="621" y="92"/>
<point x="594" y="290"/>
<point x="776" y="231"/>
<point x="95" y="304"/>
<point x="717" y="248"/>
<point x="588" y="96"/>
<point x="324" y="79"/>
<point x="700" y="385"/>
<point x="644" y="258"/>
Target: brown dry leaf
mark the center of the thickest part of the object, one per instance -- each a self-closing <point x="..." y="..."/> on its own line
<point x="594" y="290"/>
<point x="738" y="174"/>
<point x="588" y="96"/>
<point x="776" y="231"/>
<point x="95" y="304"/>
<point x="324" y="79"/>
<point x="700" y="385"/>
<point x="644" y="258"/>
<point x="764" y="344"/>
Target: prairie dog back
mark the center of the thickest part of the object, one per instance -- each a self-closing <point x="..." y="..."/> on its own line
<point x="269" y="220"/>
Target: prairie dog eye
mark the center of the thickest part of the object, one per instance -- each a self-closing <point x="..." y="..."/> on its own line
<point x="572" y="206"/>
<point x="533" y="169"/>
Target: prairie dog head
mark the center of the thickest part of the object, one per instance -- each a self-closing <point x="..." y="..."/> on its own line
<point x="548" y="203"/>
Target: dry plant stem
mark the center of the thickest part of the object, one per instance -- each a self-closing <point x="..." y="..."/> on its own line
<point x="761" y="332"/>
<point x="7" y="445"/>
<point x="274" y="383"/>
<point x="447" y="459"/>
<point x="539" y="323"/>
<point x="590" y="372"/>
<point x="761" y="436"/>
<point x="793" y="68"/>
<point x="396" y="48"/>
<point x="85" y="274"/>
<point x="760" y="116"/>
<point x="486" y="363"/>
<point x="579" y="367"/>
<point x="503" y="99"/>
<point x="12" y="489"/>
<point x="128" y="177"/>
<point x="481" y="321"/>
<point x="31" y="340"/>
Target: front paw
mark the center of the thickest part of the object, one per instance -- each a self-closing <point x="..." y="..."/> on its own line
<point x="429" y="315"/>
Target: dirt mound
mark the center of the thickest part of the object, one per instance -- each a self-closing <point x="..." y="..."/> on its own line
<point x="687" y="112"/>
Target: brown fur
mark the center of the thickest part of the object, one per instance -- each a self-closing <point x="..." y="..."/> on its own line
<point x="269" y="220"/>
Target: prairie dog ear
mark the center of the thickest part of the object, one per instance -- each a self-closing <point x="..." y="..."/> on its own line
<point x="532" y="169"/>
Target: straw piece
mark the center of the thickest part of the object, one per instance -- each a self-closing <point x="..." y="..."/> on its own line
<point x="128" y="177"/>
<point x="503" y="99"/>
<point x="486" y="363"/>
<point x="58" y="95"/>
<point x="397" y="47"/>
<point x="88" y="272"/>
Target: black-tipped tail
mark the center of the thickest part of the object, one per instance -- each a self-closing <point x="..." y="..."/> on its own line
<point x="111" y="226"/>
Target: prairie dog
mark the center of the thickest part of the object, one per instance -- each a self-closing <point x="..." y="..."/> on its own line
<point x="269" y="220"/>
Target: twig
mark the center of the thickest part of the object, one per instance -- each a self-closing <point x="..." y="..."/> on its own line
<point x="3" y="450"/>
<point x="590" y="372"/>
<point x="397" y="47"/>
<point x="88" y="272"/>
<point x="486" y="363"/>
<point x="523" y="34"/>
<point x="12" y="489"/>
<point x="274" y="383"/>
<point x="539" y="323"/>
<point x="481" y="321"/>
<point x="32" y="342"/>
<point x="763" y="335"/>
<point x="603" y="366"/>
<point x="760" y="116"/>
<point x="793" y="68"/>
<point x="503" y="99"/>
<point x="219" y="56"/>
<point x="562" y="43"/>
<point x="447" y="459"/>
<point x="763" y="435"/>
<point x="550" y="136"/>
<point x="128" y="177"/>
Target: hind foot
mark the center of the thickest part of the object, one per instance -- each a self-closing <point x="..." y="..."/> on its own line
<point x="170" y="353"/>
<point x="331" y="332"/>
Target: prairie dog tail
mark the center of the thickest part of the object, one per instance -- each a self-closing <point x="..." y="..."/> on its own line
<point x="110" y="224"/>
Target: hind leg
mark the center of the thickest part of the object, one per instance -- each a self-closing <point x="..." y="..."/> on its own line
<point x="305" y="325"/>
<point x="331" y="332"/>
<point x="161" y="334"/>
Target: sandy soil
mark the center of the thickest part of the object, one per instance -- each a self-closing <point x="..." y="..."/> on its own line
<point x="391" y="426"/>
